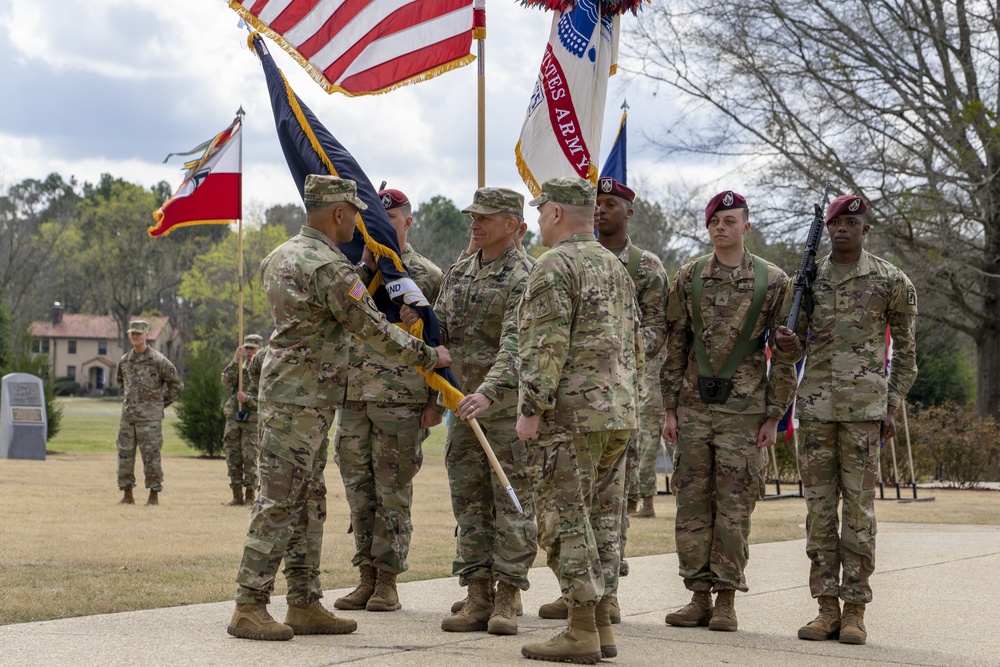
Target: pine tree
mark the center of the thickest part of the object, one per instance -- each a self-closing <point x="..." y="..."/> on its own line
<point x="199" y="409"/>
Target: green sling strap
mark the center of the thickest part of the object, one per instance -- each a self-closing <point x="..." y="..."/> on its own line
<point x="744" y="346"/>
<point x="634" y="257"/>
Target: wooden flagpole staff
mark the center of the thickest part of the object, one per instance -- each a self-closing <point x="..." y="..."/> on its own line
<point x="239" y="308"/>
<point x="495" y="463"/>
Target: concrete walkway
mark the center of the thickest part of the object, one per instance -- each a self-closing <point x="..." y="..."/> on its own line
<point x="937" y="600"/>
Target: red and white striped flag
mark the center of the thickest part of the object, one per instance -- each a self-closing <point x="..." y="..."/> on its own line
<point x="363" y="47"/>
<point x="561" y="136"/>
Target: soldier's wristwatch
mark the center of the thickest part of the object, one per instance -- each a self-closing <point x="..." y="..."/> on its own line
<point x="367" y="269"/>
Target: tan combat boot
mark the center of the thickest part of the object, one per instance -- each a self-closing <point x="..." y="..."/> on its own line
<point x="555" y="609"/>
<point x="313" y="619"/>
<point x="579" y="643"/>
<point x="474" y="616"/>
<point x="503" y="620"/>
<point x="358" y="598"/>
<point x="154" y="498"/>
<point x="127" y="497"/>
<point x="602" y="617"/>
<point x="237" y="500"/>
<point x="827" y="624"/>
<point x="724" y="616"/>
<point x="647" y="511"/>
<point x="696" y="612"/>
<point x="631" y="506"/>
<point x="385" y="597"/>
<point x="249" y="496"/>
<point x="615" y="612"/>
<point x="852" y="624"/>
<point x="518" y="607"/>
<point x="251" y="621"/>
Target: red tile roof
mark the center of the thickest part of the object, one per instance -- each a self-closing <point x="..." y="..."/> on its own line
<point x="101" y="327"/>
<point x="100" y="360"/>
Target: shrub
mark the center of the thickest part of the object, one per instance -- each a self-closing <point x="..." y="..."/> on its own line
<point x="199" y="410"/>
<point x="67" y="387"/>
<point x="954" y="444"/>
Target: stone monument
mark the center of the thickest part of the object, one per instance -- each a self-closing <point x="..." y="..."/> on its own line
<point x="23" y="423"/>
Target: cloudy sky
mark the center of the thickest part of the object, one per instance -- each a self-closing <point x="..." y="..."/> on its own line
<point x="112" y="86"/>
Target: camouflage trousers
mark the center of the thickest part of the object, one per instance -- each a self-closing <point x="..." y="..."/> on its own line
<point x="378" y="450"/>
<point x="148" y="437"/>
<point x="494" y="540"/>
<point x="718" y="479"/>
<point x="580" y="491"/>
<point x="239" y="442"/>
<point x="839" y="461"/>
<point x="290" y="508"/>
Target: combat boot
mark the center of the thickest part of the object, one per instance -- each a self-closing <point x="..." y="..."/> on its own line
<point x="127" y="497"/>
<point x="852" y="624"/>
<point x="647" y="511"/>
<point x="474" y="616"/>
<point x="518" y="607"/>
<point x="385" y="597"/>
<point x="358" y="598"/>
<point x="631" y="506"/>
<point x="249" y="496"/>
<point x="697" y="612"/>
<point x="615" y="612"/>
<point x="827" y="624"/>
<point x="154" y="498"/>
<point x="579" y="643"/>
<point x="602" y="617"/>
<point x="503" y="620"/>
<point x="313" y="619"/>
<point x="724" y="616"/>
<point x="251" y="621"/>
<point x="237" y="500"/>
<point x="556" y="609"/>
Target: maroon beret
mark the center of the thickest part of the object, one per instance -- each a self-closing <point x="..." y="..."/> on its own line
<point x="845" y="205"/>
<point x="392" y="198"/>
<point x="723" y="202"/>
<point x="609" y="186"/>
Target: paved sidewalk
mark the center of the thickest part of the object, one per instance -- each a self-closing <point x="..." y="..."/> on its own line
<point x="937" y="600"/>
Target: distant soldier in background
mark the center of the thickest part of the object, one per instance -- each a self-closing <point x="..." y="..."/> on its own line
<point x="378" y="440"/>
<point x="149" y="383"/>
<point x="239" y="440"/>
<point x="846" y="407"/>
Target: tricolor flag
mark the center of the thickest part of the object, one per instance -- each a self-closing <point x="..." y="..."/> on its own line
<point x="615" y="166"/>
<point x="309" y="148"/>
<point x="210" y="193"/>
<point x="561" y="135"/>
<point x="363" y="47"/>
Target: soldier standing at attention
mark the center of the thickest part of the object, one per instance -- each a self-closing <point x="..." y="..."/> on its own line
<point x="239" y="440"/>
<point x="477" y="307"/>
<point x="846" y="407"/>
<point x="149" y="383"/>
<point x="318" y="303"/>
<point x="721" y="408"/>
<point x="580" y="352"/>
<point x="379" y="434"/>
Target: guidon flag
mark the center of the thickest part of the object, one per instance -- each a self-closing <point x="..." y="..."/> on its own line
<point x="365" y="47"/>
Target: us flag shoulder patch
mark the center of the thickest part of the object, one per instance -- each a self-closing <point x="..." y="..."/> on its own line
<point x="357" y="291"/>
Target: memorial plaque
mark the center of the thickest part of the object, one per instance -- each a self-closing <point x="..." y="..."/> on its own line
<point x="23" y="423"/>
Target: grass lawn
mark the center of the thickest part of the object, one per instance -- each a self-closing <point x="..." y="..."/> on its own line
<point x="69" y="549"/>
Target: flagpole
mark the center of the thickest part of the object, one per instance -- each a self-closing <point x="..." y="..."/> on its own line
<point x="480" y="34"/>
<point x="239" y="253"/>
<point x="495" y="463"/>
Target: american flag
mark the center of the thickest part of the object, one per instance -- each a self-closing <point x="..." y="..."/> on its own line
<point x="363" y="47"/>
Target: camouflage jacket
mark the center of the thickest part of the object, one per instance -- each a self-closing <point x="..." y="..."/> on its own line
<point x="371" y="376"/>
<point x="579" y="340"/>
<point x="725" y="300"/>
<point x="251" y="384"/>
<point x="149" y="383"/>
<point x="651" y="292"/>
<point x="318" y="302"/>
<point x="477" y="307"/>
<point x="844" y="378"/>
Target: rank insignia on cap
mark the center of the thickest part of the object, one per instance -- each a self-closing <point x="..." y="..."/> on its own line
<point x="607" y="184"/>
<point x="357" y="291"/>
<point x="727" y="200"/>
<point x="386" y="200"/>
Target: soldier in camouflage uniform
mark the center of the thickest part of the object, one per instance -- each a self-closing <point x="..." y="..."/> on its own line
<point x="719" y="462"/>
<point x="318" y="303"/>
<point x="846" y="407"/>
<point x="379" y="434"/>
<point x="239" y="440"/>
<point x="148" y="383"/>
<point x="477" y="307"/>
<point x="580" y="352"/>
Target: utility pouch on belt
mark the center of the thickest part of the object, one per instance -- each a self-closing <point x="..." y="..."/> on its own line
<point x="712" y="387"/>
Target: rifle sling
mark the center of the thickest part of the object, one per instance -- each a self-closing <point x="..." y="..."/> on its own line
<point x="743" y="347"/>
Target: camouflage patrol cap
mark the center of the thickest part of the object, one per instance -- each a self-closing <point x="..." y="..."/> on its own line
<point x="252" y="340"/>
<point x="573" y="191"/>
<point x="330" y="190"/>
<point x="487" y="201"/>
<point x="138" y="326"/>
